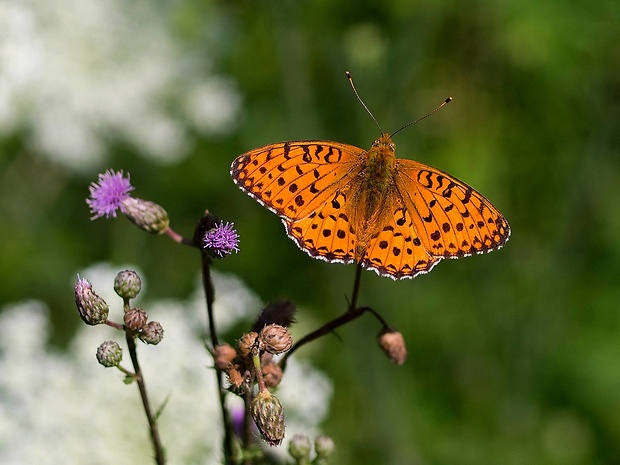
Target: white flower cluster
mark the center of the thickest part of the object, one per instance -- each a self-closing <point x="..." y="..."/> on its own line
<point x="76" y="73"/>
<point x="63" y="407"/>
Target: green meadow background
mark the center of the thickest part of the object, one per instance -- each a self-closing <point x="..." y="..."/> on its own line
<point x="513" y="356"/>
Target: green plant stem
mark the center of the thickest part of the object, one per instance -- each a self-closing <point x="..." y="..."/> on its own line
<point x="160" y="458"/>
<point x="258" y="369"/>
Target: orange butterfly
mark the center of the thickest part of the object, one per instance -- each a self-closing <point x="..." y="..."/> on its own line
<point x="343" y="204"/>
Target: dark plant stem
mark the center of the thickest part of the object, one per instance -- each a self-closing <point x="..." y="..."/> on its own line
<point x="210" y="296"/>
<point x="160" y="458"/>
<point x="356" y="287"/>
<point x="248" y="438"/>
<point x="351" y="314"/>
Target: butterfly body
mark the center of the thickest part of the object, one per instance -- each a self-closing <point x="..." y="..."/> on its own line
<point x="340" y="203"/>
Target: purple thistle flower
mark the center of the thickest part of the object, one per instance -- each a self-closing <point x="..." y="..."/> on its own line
<point x="108" y="194"/>
<point x="222" y="240"/>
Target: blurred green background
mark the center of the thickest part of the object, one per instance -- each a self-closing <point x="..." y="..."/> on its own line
<point x="513" y="356"/>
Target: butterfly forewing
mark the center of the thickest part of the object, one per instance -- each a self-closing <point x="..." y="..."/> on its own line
<point x="294" y="179"/>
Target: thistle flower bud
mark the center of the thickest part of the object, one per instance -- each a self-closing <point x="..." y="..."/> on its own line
<point x="324" y="447"/>
<point x="275" y="339"/>
<point x="109" y="354"/>
<point x="245" y="344"/>
<point x="135" y="318"/>
<point x="223" y="355"/>
<point x="299" y="447"/>
<point x="272" y="375"/>
<point x="127" y="284"/>
<point x="146" y="215"/>
<point x="152" y="333"/>
<point x="92" y="309"/>
<point x="266" y="358"/>
<point x="268" y="415"/>
<point x="393" y="344"/>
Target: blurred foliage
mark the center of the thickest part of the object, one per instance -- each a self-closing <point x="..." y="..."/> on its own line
<point x="513" y="355"/>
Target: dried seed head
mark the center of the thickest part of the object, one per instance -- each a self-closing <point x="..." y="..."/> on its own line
<point x="275" y="339"/>
<point x="223" y="355"/>
<point x="135" y="318"/>
<point x="268" y="415"/>
<point x="272" y="375"/>
<point x="245" y="344"/>
<point x="393" y="344"/>
<point x="109" y="354"/>
<point x="281" y="312"/>
<point x="235" y="378"/>
<point x="127" y="284"/>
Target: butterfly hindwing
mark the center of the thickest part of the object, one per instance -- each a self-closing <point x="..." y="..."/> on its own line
<point x="327" y="233"/>
<point x="397" y="251"/>
<point x="453" y="220"/>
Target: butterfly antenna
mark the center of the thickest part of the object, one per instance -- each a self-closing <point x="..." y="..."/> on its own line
<point x="361" y="101"/>
<point x="445" y="102"/>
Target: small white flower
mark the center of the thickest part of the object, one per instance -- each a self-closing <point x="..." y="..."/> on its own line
<point x="75" y="72"/>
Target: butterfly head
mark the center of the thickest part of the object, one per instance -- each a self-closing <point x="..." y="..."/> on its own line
<point x="384" y="143"/>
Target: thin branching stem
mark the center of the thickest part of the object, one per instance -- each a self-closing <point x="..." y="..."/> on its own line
<point x="210" y="297"/>
<point x="356" y="287"/>
<point x="178" y="238"/>
<point x="160" y="458"/>
<point x="351" y="314"/>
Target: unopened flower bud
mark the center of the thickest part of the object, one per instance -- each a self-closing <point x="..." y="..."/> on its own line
<point x="127" y="284"/>
<point x="109" y="354"/>
<point x="245" y="344"/>
<point x="268" y="415"/>
<point x="299" y="447"/>
<point x="146" y="215"/>
<point x="92" y="309"/>
<point x="324" y="447"/>
<point x="152" y="333"/>
<point x="266" y="358"/>
<point x="223" y="355"/>
<point x="275" y="339"/>
<point x="135" y="318"/>
<point x="393" y="344"/>
<point x="272" y="375"/>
